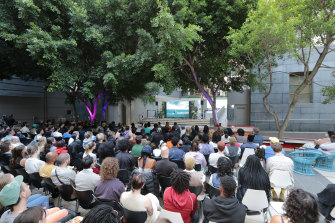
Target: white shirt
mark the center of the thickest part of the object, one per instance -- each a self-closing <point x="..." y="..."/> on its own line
<point x="328" y="147"/>
<point x="213" y="158"/>
<point x="64" y="174"/>
<point x="25" y="129"/>
<point x="94" y="156"/>
<point x="86" y="180"/>
<point x="280" y="162"/>
<point x="57" y="134"/>
<point x="33" y="165"/>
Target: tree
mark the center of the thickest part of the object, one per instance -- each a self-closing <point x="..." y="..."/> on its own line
<point x="192" y="49"/>
<point x="280" y="29"/>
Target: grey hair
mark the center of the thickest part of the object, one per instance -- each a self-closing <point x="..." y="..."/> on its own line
<point x="100" y="136"/>
<point x="62" y="158"/>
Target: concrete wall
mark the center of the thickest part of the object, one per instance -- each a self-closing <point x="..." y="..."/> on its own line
<point x="313" y="116"/>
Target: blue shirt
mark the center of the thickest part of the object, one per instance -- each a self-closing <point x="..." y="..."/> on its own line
<point x="176" y="154"/>
<point x="258" y="139"/>
<point x="269" y="152"/>
<point x="247" y="145"/>
<point x="66" y="135"/>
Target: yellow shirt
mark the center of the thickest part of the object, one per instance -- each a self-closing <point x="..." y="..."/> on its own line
<point x="45" y="170"/>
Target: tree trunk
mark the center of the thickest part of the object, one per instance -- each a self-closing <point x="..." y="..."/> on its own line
<point x="75" y="112"/>
<point x="214" y="110"/>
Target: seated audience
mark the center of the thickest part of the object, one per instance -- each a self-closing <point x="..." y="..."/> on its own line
<point x="126" y="160"/>
<point x="33" y="163"/>
<point x="169" y="141"/>
<point x="50" y="146"/>
<point x="106" y="149"/>
<point x="8" y="134"/>
<point x="62" y="174"/>
<point x="224" y="208"/>
<point x="300" y="206"/>
<point x="213" y="158"/>
<point x="249" y="144"/>
<point x="100" y="139"/>
<point x="6" y="152"/>
<point x="260" y="153"/>
<point x="204" y="147"/>
<point x="233" y="151"/>
<point x="18" y="157"/>
<point x="102" y="213"/>
<point x="109" y="188"/>
<point x="197" y="177"/>
<point x="135" y="201"/>
<point x="268" y="150"/>
<point x="46" y="169"/>
<point x="42" y="142"/>
<point x="15" y="141"/>
<point x="178" y="198"/>
<point x="88" y="138"/>
<point x="145" y="162"/>
<point x="329" y="147"/>
<point x="253" y="176"/>
<point x="86" y="179"/>
<point x="165" y="167"/>
<point x="258" y="139"/>
<point x="326" y="201"/>
<point x="225" y="137"/>
<point x="279" y="162"/>
<point x="216" y="137"/>
<point x="40" y="215"/>
<point x="137" y="149"/>
<point x="56" y="134"/>
<point x="175" y="152"/>
<point x="186" y="146"/>
<point x="224" y="166"/>
<point x="61" y="147"/>
<point x="324" y="140"/>
<point x="197" y="155"/>
<point x="241" y="138"/>
<point x="89" y="148"/>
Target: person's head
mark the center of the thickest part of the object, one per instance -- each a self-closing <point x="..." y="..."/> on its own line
<point x="189" y="162"/>
<point x="102" y="213"/>
<point x="229" y="132"/>
<point x="330" y="133"/>
<point x="232" y="141"/>
<point x="251" y="137"/>
<point x="33" y="150"/>
<point x="332" y="138"/>
<point x="123" y="145"/>
<point x="138" y="139"/>
<point x="109" y="168"/>
<point x="5" y="179"/>
<point x="224" y="167"/>
<point x="17" y="152"/>
<point x="174" y="141"/>
<point x="40" y="131"/>
<point x="51" y="157"/>
<point x="63" y="159"/>
<point x="164" y="151"/>
<point x="221" y="146"/>
<point x="194" y="147"/>
<point x="100" y="137"/>
<point x="87" y="162"/>
<point x="138" y="181"/>
<point x="89" y="147"/>
<point x="188" y="131"/>
<point x="273" y="140"/>
<point x="186" y="141"/>
<point x="15" y="192"/>
<point x="240" y="132"/>
<point x="260" y="153"/>
<point x="5" y="147"/>
<point x="277" y="147"/>
<point x="216" y="137"/>
<point x="51" y="140"/>
<point x="15" y="140"/>
<point x="180" y="180"/>
<point x="32" y="215"/>
<point x="301" y="206"/>
<point x="42" y="142"/>
<point x="256" y="130"/>
<point x="205" y="138"/>
<point x="88" y="134"/>
<point x="227" y="186"/>
<point x="206" y="129"/>
<point x="61" y="143"/>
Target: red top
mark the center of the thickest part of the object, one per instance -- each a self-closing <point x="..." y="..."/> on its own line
<point x="184" y="203"/>
<point x="61" y="150"/>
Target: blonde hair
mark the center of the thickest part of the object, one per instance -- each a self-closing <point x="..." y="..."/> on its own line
<point x="89" y="146"/>
<point x="42" y="142"/>
<point x="189" y="162"/>
<point x="5" y="179"/>
<point x="232" y="141"/>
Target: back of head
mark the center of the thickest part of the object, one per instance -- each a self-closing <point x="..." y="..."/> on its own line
<point x="4" y="147"/>
<point x="221" y="146"/>
<point x="102" y="213"/>
<point x="240" y="132"/>
<point x="175" y="141"/>
<point x="164" y="151"/>
<point x="61" y="143"/>
<point x="31" y="150"/>
<point x="194" y="147"/>
<point x="186" y="141"/>
<point x="138" y="139"/>
<point x="260" y="153"/>
<point x="31" y="215"/>
<point x="330" y="133"/>
<point x="63" y="158"/>
<point x="224" y="167"/>
<point x="216" y="137"/>
<point x="88" y="134"/>
<point x="123" y="145"/>
<point x="251" y="138"/>
<point x="228" y="186"/>
<point x="109" y="168"/>
<point x="206" y="129"/>
<point x="277" y="147"/>
<point x="205" y="138"/>
<point x="189" y="162"/>
<point x="100" y="136"/>
<point x="256" y="130"/>
<point x="301" y="206"/>
<point x="232" y="141"/>
<point x="332" y="138"/>
<point x="254" y="174"/>
<point x="229" y="131"/>
<point x="180" y="180"/>
<point x="137" y="182"/>
<point x="86" y="162"/>
<point x="51" y="157"/>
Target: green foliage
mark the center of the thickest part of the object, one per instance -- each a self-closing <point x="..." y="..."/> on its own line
<point x="329" y="93"/>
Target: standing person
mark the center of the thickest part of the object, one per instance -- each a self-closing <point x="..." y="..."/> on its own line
<point x="33" y="164"/>
<point x="213" y="158"/>
<point x="178" y="198"/>
<point x="253" y="176"/>
<point x="300" y="206"/>
<point x="224" y="208"/>
<point x="258" y="138"/>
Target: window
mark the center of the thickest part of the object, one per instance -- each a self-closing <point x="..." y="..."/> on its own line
<point x="295" y="80"/>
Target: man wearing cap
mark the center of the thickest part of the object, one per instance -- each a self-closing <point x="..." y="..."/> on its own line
<point x="269" y="151"/>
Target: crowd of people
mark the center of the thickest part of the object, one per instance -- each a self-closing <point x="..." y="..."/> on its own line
<point x="137" y="166"/>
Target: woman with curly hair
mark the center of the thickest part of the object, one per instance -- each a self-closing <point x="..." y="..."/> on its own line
<point x="224" y="169"/>
<point x="109" y="188"/>
<point x="300" y="207"/>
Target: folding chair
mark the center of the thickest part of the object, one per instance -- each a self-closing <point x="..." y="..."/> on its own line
<point x="281" y="179"/>
<point x="174" y="217"/>
<point x="256" y="200"/>
<point x="247" y="152"/>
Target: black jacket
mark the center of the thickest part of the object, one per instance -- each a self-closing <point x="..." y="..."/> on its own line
<point x="221" y="210"/>
<point x="165" y="167"/>
<point x="327" y="200"/>
<point x="151" y="182"/>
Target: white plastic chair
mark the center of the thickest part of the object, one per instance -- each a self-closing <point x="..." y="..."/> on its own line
<point x="256" y="200"/>
<point x="247" y="152"/>
<point x="174" y="217"/>
<point x="281" y="179"/>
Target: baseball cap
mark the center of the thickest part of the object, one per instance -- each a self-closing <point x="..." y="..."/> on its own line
<point x="10" y="194"/>
<point x="274" y="139"/>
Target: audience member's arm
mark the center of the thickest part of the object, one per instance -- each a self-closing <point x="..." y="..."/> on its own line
<point x="148" y="206"/>
<point x="328" y="146"/>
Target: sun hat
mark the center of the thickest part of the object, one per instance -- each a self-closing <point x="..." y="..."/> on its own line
<point x="274" y="139"/>
<point x="10" y="194"/>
